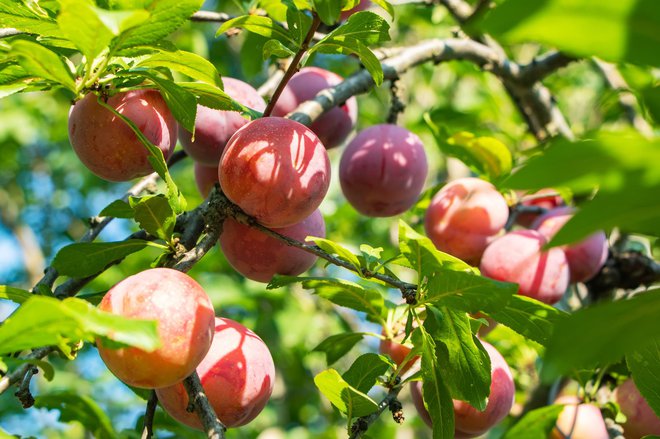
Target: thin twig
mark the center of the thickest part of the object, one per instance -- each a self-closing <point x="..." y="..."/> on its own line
<point x="18" y="375"/>
<point x="148" y="429"/>
<point x="361" y="425"/>
<point x="212" y="425"/>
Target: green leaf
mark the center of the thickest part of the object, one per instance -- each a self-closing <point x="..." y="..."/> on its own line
<point x="385" y="5"/>
<point x="623" y="30"/>
<point x="118" y="209"/>
<point x="166" y="16"/>
<point x="627" y="178"/>
<point x="437" y="398"/>
<point x="338" y="345"/>
<point x="155" y="215"/>
<point x="277" y="49"/>
<point x="466" y="291"/>
<point x="464" y="361"/>
<point x="365" y="370"/>
<point x="19" y="16"/>
<point x="342" y="395"/>
<point x="214" y="97"/>
<point x="536" y="424"/>
<point x="337" y="249"/>
<point x="180" y="101"/>
<point x="264" y="26"/>
<point x="644" y="364"/>
<point x="39" y="61"/>
<point x="79" y="408"/>
<point x="87" y="258"/>
<point x="298" y="23"/>
<point x="623" y="327"/>
<point x="188" y="63"/>
<point x="340" y="292"/>
<point x="14" y="294"/>
<point x="45" y="321"/>
<point x="10" y="73"/>
<point x="328" y="10"/>
<point x="486" y="156"/>
<point x="46" y="367"/>
<point x="528" y="317"/>
<point x="351" y="46"/>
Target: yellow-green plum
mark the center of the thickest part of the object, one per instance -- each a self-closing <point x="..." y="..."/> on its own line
<point x="213" y="128"/>
<point x="464" y="217"/>
<point x="468" y="421"/>
<point x="205" y="177"/>
<point x="641" y="419"/>
<point x="518" y="257"/>
<point x="580" y="421"/>
<point x="185" y="319"/>
<point x="107" y="146"/>
<point x="276" y="170"/>
<point x="237" y="375"/>
<point x="382" y="170"/>
<point x="259" y="257"/>
<point x="332" y="127"/>
<point x="585" y="258"/>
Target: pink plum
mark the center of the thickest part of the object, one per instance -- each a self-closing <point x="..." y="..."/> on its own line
<point x="206" y="177"/>
<point x="641" y="419"/>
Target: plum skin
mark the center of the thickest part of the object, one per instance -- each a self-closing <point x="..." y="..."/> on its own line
<point x="382" y="170"/>
<point x="464" y="217"/>
<point x="213" y="128"/>
<point x="107" y="146"/>
<point x="470" y="422"/>
<point x="583" y="421"/>
<point x="517" y="257"/>
<point x="332" y="127"/>
<point x="551" y="201"/>
<point x="585" y="258"/>
<point x="184" y="314"/>
<point x="276" y="170"/>
<point x="237" y="375"/>
<point x="205" y="177"/>
<point x="641" y="419"/>
<point x="259" y="257"/>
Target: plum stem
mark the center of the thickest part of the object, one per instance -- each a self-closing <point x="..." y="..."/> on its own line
<point x="148" y="429"/>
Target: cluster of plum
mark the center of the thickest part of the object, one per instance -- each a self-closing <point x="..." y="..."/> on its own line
<point x="235" y="366"/>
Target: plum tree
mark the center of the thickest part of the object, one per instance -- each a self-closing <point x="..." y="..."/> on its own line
<point x="259" y="257"/>
<point x="237" y="375"/>
<point x="276" y="170"/>
<point x="585" y="258"/>
<point x="518" y="257"/>
<point x="550" y="201"/>
<point x="332" y="127"/>
<point x="470" y="422"/>
<point x="579" y="421"/>
<point x="383" y="169"/>
<point x="205" y="178"/>
<point x="464" y="217"/>
<point x="184" y="314"/>
<point x="641" y="420"/>
<point x="107" y="146"/>
<point x="213" y="128"/>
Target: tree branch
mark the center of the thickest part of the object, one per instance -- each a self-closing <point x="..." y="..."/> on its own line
<point x="212" y="425"/>
<point x="148" y="430"/>
<point x="361" y="425"/>
<point x="18" y="375"/>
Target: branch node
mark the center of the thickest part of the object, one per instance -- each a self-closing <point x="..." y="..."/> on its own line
<point x="23" y="393"/>
<point x="397" y="411"/>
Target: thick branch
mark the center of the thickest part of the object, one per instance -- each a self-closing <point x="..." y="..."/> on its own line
<point x="542" y="66"/>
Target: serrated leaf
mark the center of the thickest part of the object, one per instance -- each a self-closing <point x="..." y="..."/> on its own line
<point x="118" y="209"/>
<point x="464" y="361"/>
<point x="616" y="31"/>
<point x="16" y="295"/>
<point x="337" y="249"/>
<point x="39" y="61"/>
<point x="180" y="101"/>
<point x="338" y="345"/>
<point x="155" y="215"/>
<point x="536" y="424"/>
<point x="188" y="63"/>
<point x="45" y="321"/>
<point x="264" y="26"/>
<point x="11" y="73"/>
<point x="328" y="10"/>
<point x="80" y="408"/>
<point x="277" y="49"/>
<point x="19" y="16"/>
<point x="644" y="364"/>
<point x="365" y="370"/>
<point x="528" y="317"/>
<point x="166" y="16"/>
<point x="214" y="97"/>
<point x="626" y="177"/>
<point x="342" y="395"/>
<point x="623" y="327"/>
<point x="87" y="258"/>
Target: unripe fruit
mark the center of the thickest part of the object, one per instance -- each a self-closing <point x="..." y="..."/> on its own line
<point x="259" y="257"/>
<point x="585" y="258"/>
<point x="382" y="171"/>
<point x="276" y="170"/>
<point x="333" y="126"/>
<point x="213" y="128"/>
<point x="641" y="419"/>
<point x="205" y="177"/>
<point x="517" y="257"/>
<point x="470" y="422"/>
<point x="237" y="375"/>
<point x="107" y="146"/>
<point x="581" y="421"/>
<point x="551" y="201"/>
<point x="464" y="217"/>
<point x="184" y="314"/>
